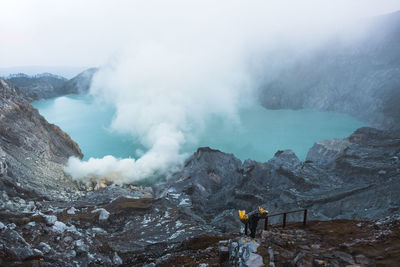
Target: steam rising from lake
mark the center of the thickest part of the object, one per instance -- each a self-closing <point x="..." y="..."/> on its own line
<point x="177" y="69"/>
<point x="162" y="95"/>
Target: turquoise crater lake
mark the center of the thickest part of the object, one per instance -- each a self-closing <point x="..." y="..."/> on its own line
<point x="258" y="136"/>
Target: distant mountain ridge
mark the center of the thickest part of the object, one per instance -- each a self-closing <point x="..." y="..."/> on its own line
<point x="67" y="72"/>
<point x="47" y="85"/>
<point x="36" y="76"/>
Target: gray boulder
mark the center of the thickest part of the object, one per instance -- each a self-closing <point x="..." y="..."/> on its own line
<point x="15" y="245"/>
<point x="3" y="163"/>
<point x="243" y="253"/>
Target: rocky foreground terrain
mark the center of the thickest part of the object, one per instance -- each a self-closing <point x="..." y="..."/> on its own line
<point x="46" y="219"/>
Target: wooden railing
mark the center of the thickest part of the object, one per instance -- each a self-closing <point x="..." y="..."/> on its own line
<point x="284" y="217"/>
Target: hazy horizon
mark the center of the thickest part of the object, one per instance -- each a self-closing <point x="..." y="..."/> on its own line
<point x="89" y="33"/>
<point x="64" y="71"/>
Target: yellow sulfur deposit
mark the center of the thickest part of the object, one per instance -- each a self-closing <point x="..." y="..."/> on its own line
<point x="244" y="218"/>
<point x="263" y="212"/>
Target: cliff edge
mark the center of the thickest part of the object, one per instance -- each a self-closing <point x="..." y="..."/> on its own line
<point x="33" y="150"/>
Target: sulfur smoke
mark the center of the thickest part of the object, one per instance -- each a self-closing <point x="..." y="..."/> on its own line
<point x="181" y="63"/>
<point x="162" y="95"/>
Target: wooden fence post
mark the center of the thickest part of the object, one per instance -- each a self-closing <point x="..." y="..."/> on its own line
<point x="284" y="220"/>
<point x="305" y="217"/>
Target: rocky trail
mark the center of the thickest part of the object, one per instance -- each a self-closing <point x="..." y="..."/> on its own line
<point x="320" y="243"/>
<point x="145" y="231"/>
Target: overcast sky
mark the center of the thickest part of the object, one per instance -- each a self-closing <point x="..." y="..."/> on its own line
<point x="88" y="33"/>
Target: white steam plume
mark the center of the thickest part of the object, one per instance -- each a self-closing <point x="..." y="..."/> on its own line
<point x="184" y="61"/>
<point x="162" y="94"/>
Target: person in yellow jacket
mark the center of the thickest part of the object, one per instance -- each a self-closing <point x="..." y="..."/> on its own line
<point x="251" y="219"/>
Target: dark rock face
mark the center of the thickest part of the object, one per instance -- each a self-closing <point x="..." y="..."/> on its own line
<point x="207" y="176"/>
<point x="33" y="151"/>
<point x="19" y="249"/>
<point x="355" y="178"/>
<point x="359" y="77"/>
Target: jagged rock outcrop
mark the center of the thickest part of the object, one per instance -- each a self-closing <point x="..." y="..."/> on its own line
<point x="359" y="77"/>
<point x="327" y="151"/>
<point x="80" y="84"/>
<point x="33" y="150"/>
<point x="207" y="176"/>
<point x="357" y="178"/>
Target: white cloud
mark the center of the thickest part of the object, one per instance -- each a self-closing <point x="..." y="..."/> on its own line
<point x="76" y="33"/>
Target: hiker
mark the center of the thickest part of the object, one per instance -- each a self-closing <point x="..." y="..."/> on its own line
<point x="251" y="219"/>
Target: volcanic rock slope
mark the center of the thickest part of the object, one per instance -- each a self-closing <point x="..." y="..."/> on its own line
<point x="32" y="150"/>
<point x="359" y="76"/>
